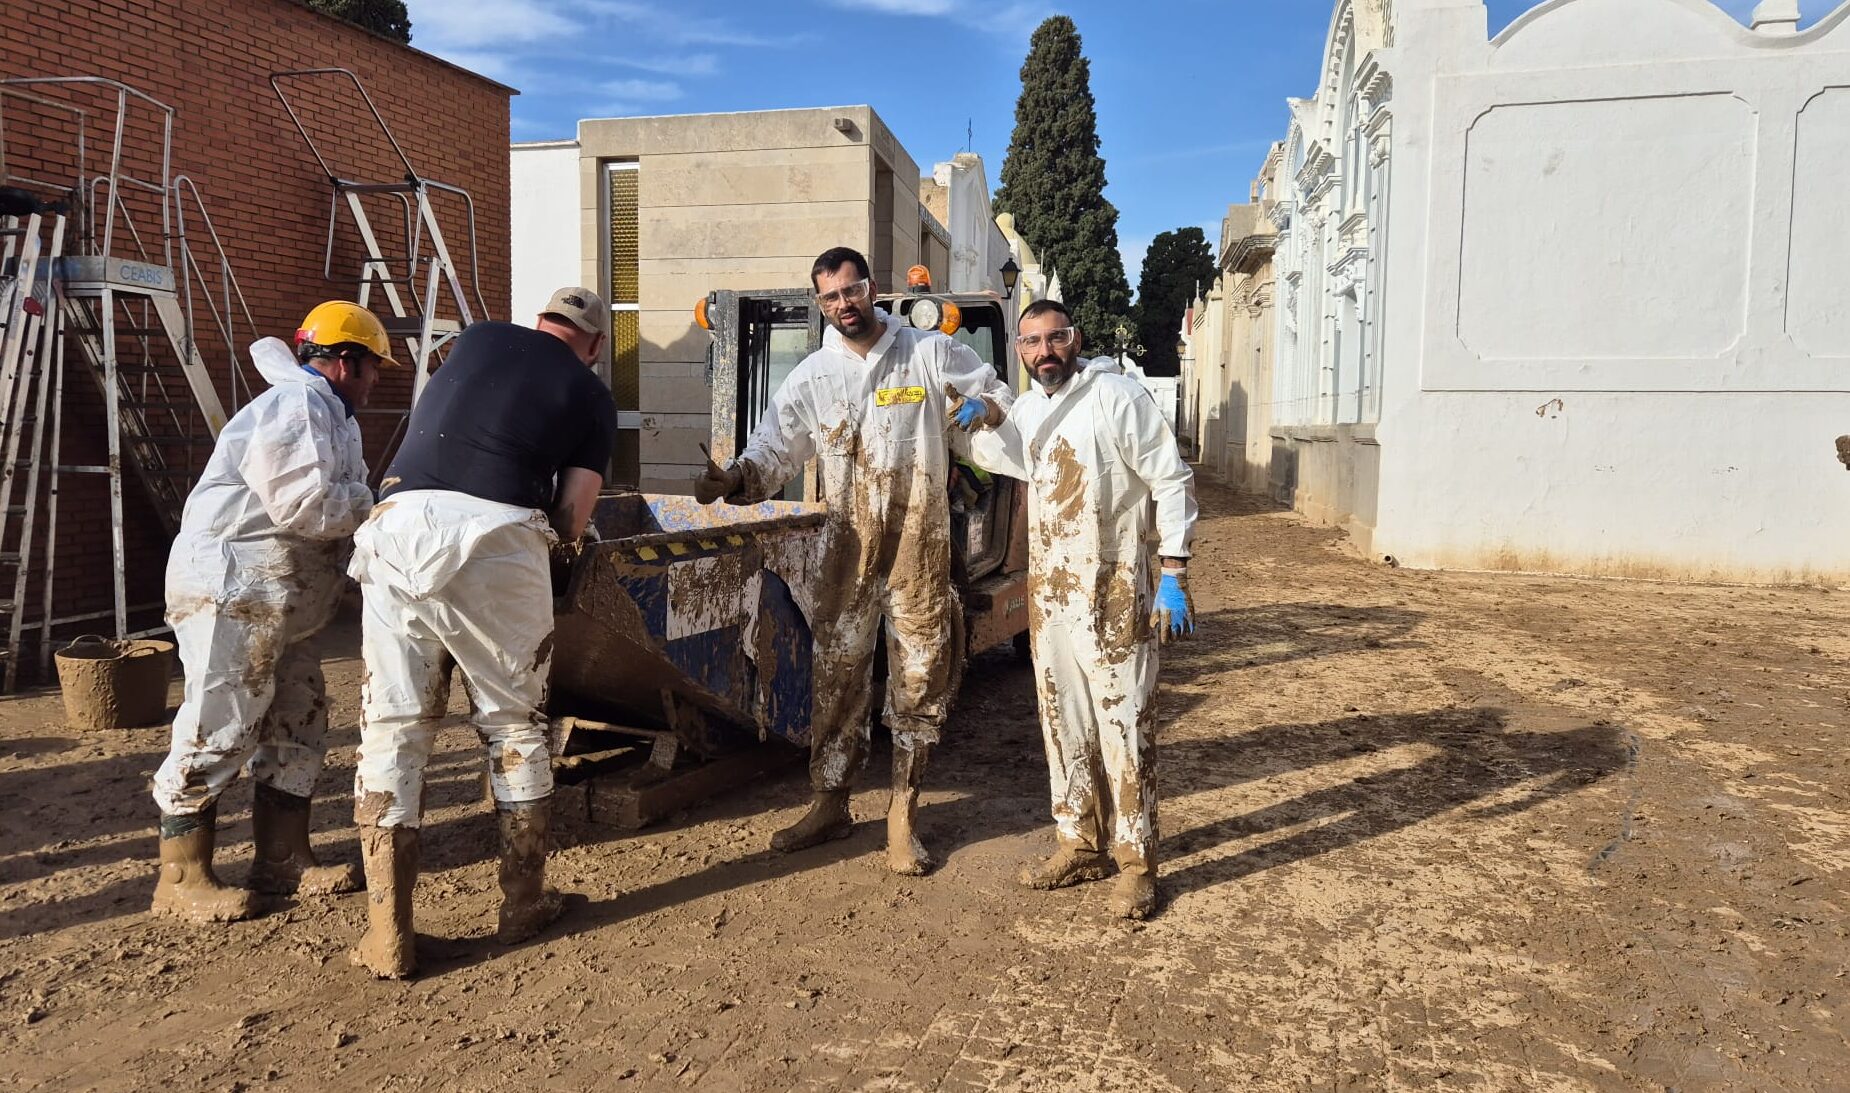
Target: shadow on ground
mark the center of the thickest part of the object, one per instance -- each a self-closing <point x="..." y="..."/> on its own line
<point x="1476" y="754"/>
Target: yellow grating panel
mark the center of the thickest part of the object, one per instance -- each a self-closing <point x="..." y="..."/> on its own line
<point x="625" y="356"/>
<point x="625" y="248"/>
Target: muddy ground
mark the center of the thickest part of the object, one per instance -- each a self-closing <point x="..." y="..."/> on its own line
<point x="1421" y="831"/>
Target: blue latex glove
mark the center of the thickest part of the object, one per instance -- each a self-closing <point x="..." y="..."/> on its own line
<point x="1175" y="616"/>
<point x="969" y="413"/>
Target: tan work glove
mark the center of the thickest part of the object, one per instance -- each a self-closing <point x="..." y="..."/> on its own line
<point x="718" y="482"/>
<point x="966" y="413"/>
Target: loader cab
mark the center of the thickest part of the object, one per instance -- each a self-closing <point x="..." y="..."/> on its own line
<point x="758" y="339"/>
<point x="981" y="325"/>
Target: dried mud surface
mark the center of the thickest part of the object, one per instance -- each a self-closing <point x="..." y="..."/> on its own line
<point x="1419" y="832"/>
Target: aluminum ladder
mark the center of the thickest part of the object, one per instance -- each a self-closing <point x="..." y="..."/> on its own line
<point x="128" y="322"/>
<point x="28" y="345"/>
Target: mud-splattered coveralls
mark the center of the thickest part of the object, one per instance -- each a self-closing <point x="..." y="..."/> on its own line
<point x="876" y="426"/>
<point x="453" y="579"/>
<point x="1095" y="453"/>
<point x="255" y="569"/>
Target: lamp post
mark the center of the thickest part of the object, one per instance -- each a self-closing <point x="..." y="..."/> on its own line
<point x="1010" y="274"/>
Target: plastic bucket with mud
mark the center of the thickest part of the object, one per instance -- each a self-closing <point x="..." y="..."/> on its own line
<point x="112" y="684"/>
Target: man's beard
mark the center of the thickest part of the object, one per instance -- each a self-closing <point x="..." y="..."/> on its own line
<point x="863" y="324"/>
<point x="1061" y="375"/>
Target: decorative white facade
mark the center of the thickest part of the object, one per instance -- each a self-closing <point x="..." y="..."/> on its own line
<point x="1330" y="196"/>
<point x="1570" y="299"/>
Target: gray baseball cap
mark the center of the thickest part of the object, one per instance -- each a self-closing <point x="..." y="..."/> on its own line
<point x="582" y="308"/>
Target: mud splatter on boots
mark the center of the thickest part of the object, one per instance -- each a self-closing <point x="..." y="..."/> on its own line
<point x="285" y="865"/>
<point x="527" y="905"/>
<point x="826" y="819"/>
<point x="187" y="887"/>
<point x="1133" y="894"/>
<point x="905" y="854"/>
<point x="1068" y="866"/>
<point x="388" y="949"/>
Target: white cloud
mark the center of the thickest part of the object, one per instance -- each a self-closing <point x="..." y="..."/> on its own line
<point x="692" y="64"/>
<point x="899" y="7"/>
<point x="679" y="28"/>
<point x="1007" y="26"/>
<point x="1016" y="23"/>
<point x="545" y="46"/>
<point x="440" y="26"/>
<point x="641" y="90"/>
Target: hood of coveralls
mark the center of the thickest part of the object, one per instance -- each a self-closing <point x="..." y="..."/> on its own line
<point x="276" y="363"/>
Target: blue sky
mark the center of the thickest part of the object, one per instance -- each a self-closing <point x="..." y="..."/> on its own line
<point x="1190" y="92"/>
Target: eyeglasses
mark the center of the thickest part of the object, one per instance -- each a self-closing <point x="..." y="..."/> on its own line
<point x="852" y="294"/>
<point x="1058" y="338"/>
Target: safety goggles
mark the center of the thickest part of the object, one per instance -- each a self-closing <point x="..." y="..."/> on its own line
<point x="850" y="294"/>
<point x="1058" y="338"/>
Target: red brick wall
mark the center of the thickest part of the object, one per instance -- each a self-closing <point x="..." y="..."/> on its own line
<point x="210" y="60"/>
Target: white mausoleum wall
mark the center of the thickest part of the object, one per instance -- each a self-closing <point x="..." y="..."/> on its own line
<point x="1619" y="337"/>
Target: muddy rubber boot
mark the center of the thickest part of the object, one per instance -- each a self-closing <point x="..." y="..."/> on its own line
<point x="187" y="887"/>
<point x="1133" y="894"/>
<point x="389" y="947"/>
<point x="826" y="819"/>
<point x="905" y="854"/>
<point x="284" y="864"/>
<point x="527" y="905"/>
<point x="1068" y="866"/>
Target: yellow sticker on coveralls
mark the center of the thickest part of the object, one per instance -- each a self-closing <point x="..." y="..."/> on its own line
<point x="899" y="396"/>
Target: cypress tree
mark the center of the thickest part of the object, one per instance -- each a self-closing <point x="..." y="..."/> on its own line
<point x="1178" y="265"/>
<point x="387" y="17"/>
<point x="1053" y="181"/>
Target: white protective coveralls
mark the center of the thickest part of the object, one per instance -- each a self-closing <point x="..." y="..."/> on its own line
<point x="255" y="569"/>
<point x="450" y="580"/>
<point x="877" y="425"/>
<point x="1095" y="453"/>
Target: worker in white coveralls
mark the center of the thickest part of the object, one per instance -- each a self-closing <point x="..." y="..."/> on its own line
<point x="870" y="406"/>
<point x="504" y="456"/>
<point x="1096" y="452"/>
<point x="256" y="568"/>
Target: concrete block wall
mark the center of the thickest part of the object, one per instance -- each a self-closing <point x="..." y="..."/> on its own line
<point x="210" y="60"/>
<point x="734" y="201"/>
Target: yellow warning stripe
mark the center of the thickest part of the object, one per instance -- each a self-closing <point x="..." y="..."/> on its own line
<point x="679" y="550"/>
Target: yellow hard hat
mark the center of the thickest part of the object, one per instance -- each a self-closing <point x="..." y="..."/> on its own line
<point x="339" y="321"/>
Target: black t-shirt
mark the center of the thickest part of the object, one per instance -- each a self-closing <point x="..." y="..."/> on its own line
<point x="510" y="408"/>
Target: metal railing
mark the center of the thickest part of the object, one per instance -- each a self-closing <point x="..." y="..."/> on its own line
<point x="227" y="284"/>
<point x="416" y="218"/>
<point x="116" y="179"/>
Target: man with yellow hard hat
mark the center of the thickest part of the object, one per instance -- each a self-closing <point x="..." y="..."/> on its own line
<point x="257" y="567"/>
